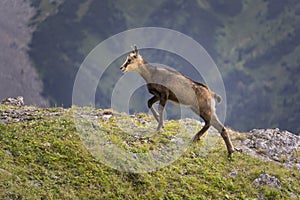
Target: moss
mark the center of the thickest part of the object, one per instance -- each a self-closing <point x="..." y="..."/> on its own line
<point x="45" y="158"/>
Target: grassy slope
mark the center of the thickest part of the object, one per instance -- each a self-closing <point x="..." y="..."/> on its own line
<point x="43" y="156"/>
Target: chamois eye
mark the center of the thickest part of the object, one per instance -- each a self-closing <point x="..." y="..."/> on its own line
<point x="134" y="56"/>
<point x="129" y="60"/>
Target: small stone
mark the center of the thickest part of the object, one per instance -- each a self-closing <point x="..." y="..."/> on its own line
<point x="46" y="144"/>
<point x="292" y="195"/>
<point x="266" y="179"/>
<point x="134" y="155"/>
<point x="143" y="122"/>
<point x="177" y="140"/>
<point x="8" y="153"/>
<point x="34" y="183"/>
<point x="106" y="116"/>
<point x="233" y="173"/>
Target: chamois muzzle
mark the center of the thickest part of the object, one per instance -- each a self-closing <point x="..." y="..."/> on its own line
<point x="124" y="66"/>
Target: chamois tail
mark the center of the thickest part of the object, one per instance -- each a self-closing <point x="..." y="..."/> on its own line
<point x="217" y="97"/>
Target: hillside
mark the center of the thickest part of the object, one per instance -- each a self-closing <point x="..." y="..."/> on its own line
<point x="43" y="155"/>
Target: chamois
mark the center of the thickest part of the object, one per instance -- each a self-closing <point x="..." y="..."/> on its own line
<point x="166" y="84"/>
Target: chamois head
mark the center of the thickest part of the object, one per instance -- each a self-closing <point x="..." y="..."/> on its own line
<point x="132" y="62"/>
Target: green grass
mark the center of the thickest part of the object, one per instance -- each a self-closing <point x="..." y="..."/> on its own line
<point x="45" y="158"/>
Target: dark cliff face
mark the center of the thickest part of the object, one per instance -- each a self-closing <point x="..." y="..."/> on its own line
<point x="18" y="76"/>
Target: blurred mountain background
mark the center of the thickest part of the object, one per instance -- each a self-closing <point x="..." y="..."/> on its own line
<point x="255" y="44"/>
<point x="18" y="77"/>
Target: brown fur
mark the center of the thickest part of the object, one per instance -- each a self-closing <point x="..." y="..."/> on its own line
<point x="169" y="85"/>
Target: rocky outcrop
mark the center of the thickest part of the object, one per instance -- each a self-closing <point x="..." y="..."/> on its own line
<point x="271" y="145"/>
<point x="18" y="101"/>
<point x="266" y="179"/>
<point x="13" y="114"/>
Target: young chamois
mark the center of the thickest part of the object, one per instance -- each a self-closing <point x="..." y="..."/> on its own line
<point x="166" y="84"/>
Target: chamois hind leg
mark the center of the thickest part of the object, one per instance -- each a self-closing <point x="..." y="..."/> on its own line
<point x="215" y="122"/>
<point x="202" y="131"/>
<point x="150" y="103"/>
<point x="161" y="106"/>
<point x="206" y="117"/>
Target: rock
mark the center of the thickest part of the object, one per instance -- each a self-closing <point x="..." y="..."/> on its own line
<point x="271" y="145"/>
<point x="233" y="173"/>
<point x="24" y="113"/>
<point x="46" y="144"/>
<point x="177" y="140"/>
<point x="8" y="153"/>
<point x="142" y="121"/>
<point x="292" y="195"/>
<point x="266" y="179"/>
<point x="106" y="116"/>
<point x="34" y="183"/>
<point x="134" y="155"/>
<point x="18" y="101"/>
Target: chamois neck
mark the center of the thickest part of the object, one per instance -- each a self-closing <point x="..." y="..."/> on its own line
<point x="145" y="71"/>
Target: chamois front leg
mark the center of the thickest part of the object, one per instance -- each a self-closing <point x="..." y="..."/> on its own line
<point x="161" y="106"/>
<point x="150" y="106"/>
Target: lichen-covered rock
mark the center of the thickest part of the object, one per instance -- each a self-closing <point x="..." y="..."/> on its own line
<point x="13" y="114"/>
<point x="266" y="179"/>
<point x="18" y="101"/>
<point x="271" y="144"/>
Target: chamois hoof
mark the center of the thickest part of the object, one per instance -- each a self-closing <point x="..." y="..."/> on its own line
<point x="160" y="130"/>
<point x="196" y="139"/>
<point x="230" y="154"/>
